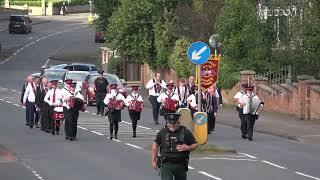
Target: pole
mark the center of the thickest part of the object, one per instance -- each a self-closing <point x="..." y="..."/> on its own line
<point x="199" y="88"/>
<point x="43" y="7"/>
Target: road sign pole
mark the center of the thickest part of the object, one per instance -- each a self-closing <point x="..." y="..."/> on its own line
<point x="199" y="88"/>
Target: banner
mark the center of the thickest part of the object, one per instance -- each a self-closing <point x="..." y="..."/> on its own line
<point x="209" y="72"/>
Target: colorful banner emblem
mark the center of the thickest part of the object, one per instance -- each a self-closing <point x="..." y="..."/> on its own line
<point x="209" y="72"/>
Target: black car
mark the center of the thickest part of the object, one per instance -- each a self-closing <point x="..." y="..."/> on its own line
<point x="20" y="24"/>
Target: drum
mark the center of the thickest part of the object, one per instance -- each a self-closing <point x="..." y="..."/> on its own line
<point x="171" y="104"/>
<point x="136" y="105"/>
<point x="58" y="113"/>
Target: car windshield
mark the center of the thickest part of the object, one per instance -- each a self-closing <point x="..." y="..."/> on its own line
<point x="54" y="74"/>
<point x="61" y="66"/>
<point x="81" y="68"/>
<point x="110" y="78"/>
<point x="17" y="18"/>
<point x="76" y="76"/>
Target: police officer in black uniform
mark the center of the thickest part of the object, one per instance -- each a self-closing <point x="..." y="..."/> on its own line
<point x="175" y="142"/>
<point x="100" y="87"/>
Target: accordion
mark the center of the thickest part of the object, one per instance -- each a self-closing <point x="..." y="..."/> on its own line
<point x="171" y="104"/>
<point x="115" y="104"/>
<point x="77" y="104"/>
<point x="136" y="105"/>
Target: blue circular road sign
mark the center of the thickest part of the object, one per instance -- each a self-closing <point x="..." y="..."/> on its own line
<point x="200" y="119"/>
<point x="198" y="52"/>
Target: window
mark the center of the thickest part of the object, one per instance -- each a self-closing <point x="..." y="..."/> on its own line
<point x="93" y="68"/>
<point x="81" y="68"/>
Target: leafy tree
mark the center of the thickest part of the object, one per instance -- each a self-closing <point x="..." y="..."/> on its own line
<point x="242" y="35"/>
<point x="179" y="60"/>
<point x="105" y="8"/>
<point x="1" y="3"/>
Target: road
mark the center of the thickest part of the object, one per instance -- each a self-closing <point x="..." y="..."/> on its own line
<point x="42" y="156"/>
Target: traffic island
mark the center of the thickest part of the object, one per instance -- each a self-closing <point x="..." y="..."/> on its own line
<point x="5" y="155"/>
<point x="210" y="149"/>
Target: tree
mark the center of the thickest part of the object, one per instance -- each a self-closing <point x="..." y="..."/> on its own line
<point x="242" y="35"/>
<point x="179" y="61"/>
<point x="105" y="8"/>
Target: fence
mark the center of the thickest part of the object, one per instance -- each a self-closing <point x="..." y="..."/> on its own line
<point x="284" y="75"/>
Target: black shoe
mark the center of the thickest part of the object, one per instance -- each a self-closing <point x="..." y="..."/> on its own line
<point x="244" y="136"/>
<point x="71" y="139"/>
<point x="75" y="138"/>
<point x="67" y="138"/>
<point x="27" y="124"/>
<point x="156" y="122"/>
<point x="53" y="132"/>
<point x="57" y="132"/>
<point x="116" y="136"/>
<point x="37" y="126"/>
<point x="111" y="137"/>
<point x="47" y="131"/>
<point x="134" y="135"/>
<point x="250" y="139"/>
<point x="31" y="126"/>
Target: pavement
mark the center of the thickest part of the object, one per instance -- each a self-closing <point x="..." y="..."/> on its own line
<point x="283" y="125"/>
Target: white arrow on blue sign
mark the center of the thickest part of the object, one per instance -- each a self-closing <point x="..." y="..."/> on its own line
<point x="198" y="52"/>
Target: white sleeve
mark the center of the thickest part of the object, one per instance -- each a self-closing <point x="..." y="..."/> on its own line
<point x="160" y="98"/>
<point x="121" y="97"/>
<point x="163" y="84"/>
<point x="176" y="97"/>
<point x="150" y="84"/>
<point x="140" y="98"/>
<point x="128" y="99"/>
<point x="216" y="93"/>
<point x="106" y="100"/>
<point x="237" y="96"/>
<point x="46" y="98"/>
<point x="26" y="93"/>
<point x="79" y="95"/>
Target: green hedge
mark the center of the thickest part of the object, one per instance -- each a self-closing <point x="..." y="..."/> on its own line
<point x="56" y="3"/>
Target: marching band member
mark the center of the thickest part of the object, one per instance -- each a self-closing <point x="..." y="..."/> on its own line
<point x="29" y="80"/>
<point x="115" y="103"/>
<point x="169" y="100"/>
<point x="156" y="87"/>
<point x="239" y="108"/>
<point x="211" y="108"/>
<point x="54" y="99"/>
<point x="41" y="105"/>
<point x="29" y="99"/>
<point x="135" y="105"/>
<point x="182" y="92"/>
<point x="192" y="101"/>
<point x="71" y="110"/>
<point x="65" y="93"/>
<point x="191" y="86"/>
<point x="250" y="103"/>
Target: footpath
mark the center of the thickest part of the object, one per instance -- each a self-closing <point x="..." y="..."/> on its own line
<point x="283" y="125"/>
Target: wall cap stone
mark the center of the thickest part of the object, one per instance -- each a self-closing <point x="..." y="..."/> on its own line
<point x="261" y="78"/>
<point x="247" y="72"/>
<point x="289" y="87"/>
<point x="312" y="81"/>
<point x="277" y="87"/>
<point x="305" y="77"/>
<point x="316" y="89"/>
<point x="265" y="87"/>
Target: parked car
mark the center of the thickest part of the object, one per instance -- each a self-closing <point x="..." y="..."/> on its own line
<point x="77" y="76"/>
<point x="54" y="74"/>
<point x="36" y="75"/>
<point x="98" y="37"/>
<point x="76" y="67"/>
<point x="20" y="24"/>
<point x="88" y="86"/>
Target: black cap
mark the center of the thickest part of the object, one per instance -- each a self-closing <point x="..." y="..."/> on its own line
<point x="244" y="85"/>
<point x="100" y="71"/>
<point x="73" y="84"/>
<point x="54" y="82"/>
<point x="171" y="118"/>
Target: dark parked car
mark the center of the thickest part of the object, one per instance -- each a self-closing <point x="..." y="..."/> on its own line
<point x="88" y="85"/>
<point x="20" y="24"/>
<point x="98" y="37"/>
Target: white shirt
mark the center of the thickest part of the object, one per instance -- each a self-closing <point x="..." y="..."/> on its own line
<point x="150" y="87"/>
<point x="238" y="96"/>
<point x="68" y="94"/>
<point x="133" y="96"/>
<point x="29" y="93"/>
<point x="65" y="92"/>
<point x="255" y="101"/>
<point x="113" y="94"/>
<point x="183" y="93"/>
<point x="49" y="97"/>
<point x="192" y="101"/>
<point x="163" y="96"/>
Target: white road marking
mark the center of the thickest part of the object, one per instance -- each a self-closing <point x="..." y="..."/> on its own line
<point x="93" y="113"/>
<point x="144" y="127"/>
<point x="209" y="175"/>
<point x="190" y="167"/>
<point x="230" y="159"/>
<point x="305" y="175"/>
<point x="248" y="155"/>
<point x="97" y="133"/>
<point x="116" y="140"/>
<point x="125" y="122"/>
<point x="132" y="145"/>
<point x="82" y="128"/>
<point x="275" y="165"/>
<point x="13" y="90"/>
<point x="8" y="102"/>
<point x="34" y="172"/>
<point x="17" y="105"/>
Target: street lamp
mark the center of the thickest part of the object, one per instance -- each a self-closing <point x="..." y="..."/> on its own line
<point x="215" y="43"/>
<point x="90" y="2"/>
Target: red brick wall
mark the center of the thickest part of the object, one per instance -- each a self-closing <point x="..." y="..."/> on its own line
<point x="314" y="105"/>
<point x="147" y="74"/>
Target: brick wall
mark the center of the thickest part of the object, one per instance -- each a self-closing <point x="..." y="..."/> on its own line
<point x="147" y="74"/>
<point x="302" y="99"/>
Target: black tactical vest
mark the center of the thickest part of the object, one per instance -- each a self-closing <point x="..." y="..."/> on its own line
<point x="101" y="84"/>
<point x="169" y="142"/>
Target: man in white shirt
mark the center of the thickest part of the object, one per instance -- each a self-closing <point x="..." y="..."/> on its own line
<point x="71" y="113"/>
<point x="54" y="99"/>
<point x="169" y="94"/>
<point x="239" y="108"/>
<point x="156" y="87"/>
<point x="29" y="99"/>
<point x="182" y="92"/>
<point x="250" y="103"/>
<point x="133" y="113"/>
<point x="191" y="85"/>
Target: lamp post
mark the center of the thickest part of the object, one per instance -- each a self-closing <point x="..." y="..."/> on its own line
<point x="90" y="3"/>
<point x="215" y="43"/>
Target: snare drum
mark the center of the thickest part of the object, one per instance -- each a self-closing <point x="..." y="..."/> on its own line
<point x="58" y="113"/>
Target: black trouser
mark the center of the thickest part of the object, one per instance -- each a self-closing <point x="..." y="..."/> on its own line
<point x="74" y="124"/>
<point x="155" y="107"/>
<point x="30" y="109"/>
<point x="114" y="119"/>
<point x="134" y="116"/>
<point x="99" y="101"/>
<point x="211" y="121"/>
<point x="71" y="122"/>
<point x="243" y="126"/>
<point x="67" y="121"/>
<point x="37" y="117"/>
<point x="44" y="116"/>
<point x="249" y="123"/>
